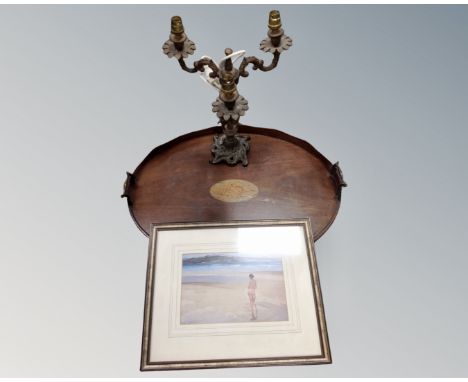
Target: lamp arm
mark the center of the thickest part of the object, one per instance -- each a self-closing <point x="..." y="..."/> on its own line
<point x="258" y="64"/>
<point x="199" y="66"/>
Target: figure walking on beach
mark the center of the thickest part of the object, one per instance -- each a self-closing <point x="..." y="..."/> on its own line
<point x="251" y="292"/>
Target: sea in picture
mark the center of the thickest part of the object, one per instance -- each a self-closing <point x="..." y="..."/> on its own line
<point x="232" y="288"/>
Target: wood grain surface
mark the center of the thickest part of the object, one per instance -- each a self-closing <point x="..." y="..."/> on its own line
<point x="294" y="180"/>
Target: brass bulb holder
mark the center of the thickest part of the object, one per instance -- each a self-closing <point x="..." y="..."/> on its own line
<point x="228" y="93"/>
<point x="177" y="27"/>
<point x="275" y="32"/>
<point x="177" y="35"/>
<point x="274" y="21"/>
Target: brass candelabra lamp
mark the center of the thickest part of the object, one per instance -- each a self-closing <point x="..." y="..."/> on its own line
<point x="229" y="106"/>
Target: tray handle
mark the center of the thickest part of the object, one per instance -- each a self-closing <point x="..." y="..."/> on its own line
<point x="338" y="177"/>
<point x="126" y="186"/>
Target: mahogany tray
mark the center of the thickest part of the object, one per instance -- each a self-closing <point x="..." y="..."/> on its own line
<point x="286" y="178"/>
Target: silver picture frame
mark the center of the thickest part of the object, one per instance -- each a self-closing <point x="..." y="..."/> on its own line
<point x="178" y="334"/>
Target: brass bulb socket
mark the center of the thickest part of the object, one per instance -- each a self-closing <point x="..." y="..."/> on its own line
<point x="178" y="38"/>
<point x="177" y="35"/>
<point x="274" y="21"/>
<point x="228" y="94"/>
<point x="177" y="27"/>
<point x="229" y="87"/>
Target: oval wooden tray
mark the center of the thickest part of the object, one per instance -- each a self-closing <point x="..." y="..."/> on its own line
<point x="293" y="180"/>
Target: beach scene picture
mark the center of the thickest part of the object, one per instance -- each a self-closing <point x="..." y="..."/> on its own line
<point x="229" y="287"/>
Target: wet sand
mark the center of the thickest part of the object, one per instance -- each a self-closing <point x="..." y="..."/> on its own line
<point x="225" y="300"/>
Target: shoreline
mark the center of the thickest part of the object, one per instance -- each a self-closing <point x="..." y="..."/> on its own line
<point x="226" y="300"/>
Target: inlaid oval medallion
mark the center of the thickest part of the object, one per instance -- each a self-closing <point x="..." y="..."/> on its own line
<point x="234" y="190"/>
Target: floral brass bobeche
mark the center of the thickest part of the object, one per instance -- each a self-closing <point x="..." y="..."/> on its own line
<point x="229" y="106"/>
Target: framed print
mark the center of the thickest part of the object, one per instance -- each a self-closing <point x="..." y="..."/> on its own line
<point x="233" y="294"/>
